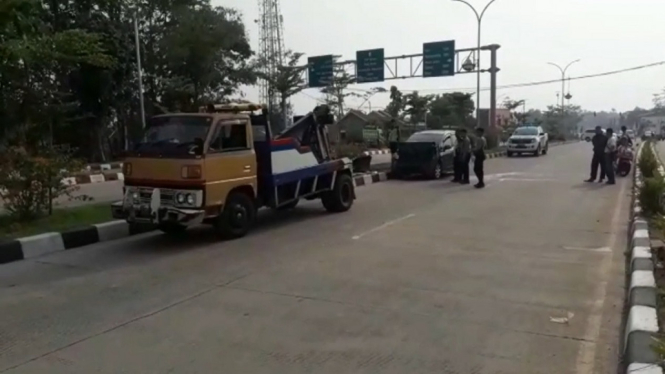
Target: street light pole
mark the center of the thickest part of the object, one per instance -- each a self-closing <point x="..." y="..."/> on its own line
<point x="479" y="18"/>
<point x="138" y="65"/>
<point x="563" y="82"/>
<point x="563" y="89"/>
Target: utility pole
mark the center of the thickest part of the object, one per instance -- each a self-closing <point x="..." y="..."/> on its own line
<point x="139" y="71"/>
<point x="479" y="18"/>
<point x="493" y="70"/>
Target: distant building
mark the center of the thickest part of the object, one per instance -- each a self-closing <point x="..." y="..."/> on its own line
<point x="504" y="118"/>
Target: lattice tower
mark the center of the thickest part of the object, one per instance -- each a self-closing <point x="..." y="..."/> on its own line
<point x="271" y="47"/>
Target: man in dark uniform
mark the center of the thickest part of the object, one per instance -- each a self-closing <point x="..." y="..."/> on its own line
<point x="465" y="156"/>
<point x="479" y="157"/>
<point x="599" y="142"/>
<point x="456" y="158"/>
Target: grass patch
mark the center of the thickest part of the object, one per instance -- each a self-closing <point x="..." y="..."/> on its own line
<point x="62" y="219"/>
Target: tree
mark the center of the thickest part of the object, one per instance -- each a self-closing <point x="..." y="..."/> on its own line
<point x="336" y="93"/>
<point x="416" y="107"/>
<point x="208" y="56"/>
<point x="450" y="110"/>
<point x="36" y="59"/>
<point x="287" y="80"/>
<point x="396" y="105"/>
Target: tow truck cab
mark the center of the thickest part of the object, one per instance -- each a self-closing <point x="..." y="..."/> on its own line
<point x="220" y="165"/>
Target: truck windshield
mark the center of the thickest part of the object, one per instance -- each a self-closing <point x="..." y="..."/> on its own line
<point x="174" y="136"/>
<point x="526" y="131"/>
<point x="177" y="129"/>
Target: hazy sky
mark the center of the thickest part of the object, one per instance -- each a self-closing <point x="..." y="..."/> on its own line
<point x="606" y="35"/>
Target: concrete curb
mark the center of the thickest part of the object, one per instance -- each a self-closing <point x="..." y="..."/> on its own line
<point x="39" y="245"/>
<point x="642" y="320"/>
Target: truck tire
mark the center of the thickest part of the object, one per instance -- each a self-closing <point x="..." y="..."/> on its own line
<point x="238" y="216"/>
<point x="538" y="151"/>
<point x="340" y="199"/>
<point x="172" y="229"/>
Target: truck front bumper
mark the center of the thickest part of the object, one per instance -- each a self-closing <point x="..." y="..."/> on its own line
<point x="145" y="214"/>
<point x="515" y="148"/>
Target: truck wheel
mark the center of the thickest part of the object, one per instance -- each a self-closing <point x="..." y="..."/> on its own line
<point x="237" y="217"/>
<point x="538" y="151"/>
<point x="340" y="199"/>
<point x="172" y="229"/>
<point x="288" y="206"/>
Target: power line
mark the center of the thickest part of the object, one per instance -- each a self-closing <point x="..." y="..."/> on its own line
<point x="525" y="84"/>
<point x="516" y="85"/>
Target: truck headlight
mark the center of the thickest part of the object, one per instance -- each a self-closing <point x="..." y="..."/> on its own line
<point x="190" y="199"/>
<point x="534" y="140"/>
<point x="180" y="198"/>
<point x="135" y="196"/>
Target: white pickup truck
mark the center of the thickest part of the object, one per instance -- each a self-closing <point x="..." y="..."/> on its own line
<point x="528" y="139"/>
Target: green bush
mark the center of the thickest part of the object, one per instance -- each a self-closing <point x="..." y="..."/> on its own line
<point x="648" y="162"/>
<point x="31" y="180"/>
<point x="650" y="195"/>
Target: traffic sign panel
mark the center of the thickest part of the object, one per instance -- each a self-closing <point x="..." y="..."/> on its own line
<point x="369" y="66"/>
<point x="320" y="70"/>
<point x="439" y="59"/>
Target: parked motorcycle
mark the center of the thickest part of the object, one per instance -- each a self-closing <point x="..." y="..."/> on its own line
<point x="624" y="161"/>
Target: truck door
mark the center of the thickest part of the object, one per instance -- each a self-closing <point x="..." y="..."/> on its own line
<point x="229" y="160"/>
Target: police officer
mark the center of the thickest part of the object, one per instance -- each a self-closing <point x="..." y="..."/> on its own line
<point x="479" y="157"/>
<point x="464" y="149"/>
<point x="599" y="142"/>
<point x="456" y="158"/>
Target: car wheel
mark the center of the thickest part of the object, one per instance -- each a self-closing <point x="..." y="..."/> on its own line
<point x="547" y="146"/>
<point x="437" y="173"/>
<point x="538" y="151"/>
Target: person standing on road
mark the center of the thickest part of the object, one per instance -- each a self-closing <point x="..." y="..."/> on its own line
<point x="464" y="149"/>
<point x="599" y="142"/>
<point x="457" y="161"/>
<point x="479" y="157"/>
<point x="610" y="156"/>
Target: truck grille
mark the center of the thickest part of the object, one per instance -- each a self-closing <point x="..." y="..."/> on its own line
<point x="166" y="197"/>
<point x="520" y="141"/>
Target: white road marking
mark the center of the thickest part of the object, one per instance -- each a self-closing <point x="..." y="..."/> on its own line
<point x="525" y="180"/>
<point x="587" y="249"/>
<point x="383" y="226"/>
<point x="586" y="355"/>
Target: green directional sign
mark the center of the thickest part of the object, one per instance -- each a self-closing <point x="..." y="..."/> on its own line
<point x="439" y="59"/>
<point x="320" y="70"/>
<point x="369" y="66"/>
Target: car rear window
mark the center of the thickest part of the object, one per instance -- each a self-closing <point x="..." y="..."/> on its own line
<point x="424" y="137"/>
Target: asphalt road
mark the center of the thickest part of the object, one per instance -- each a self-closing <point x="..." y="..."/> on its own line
<point x="419" y="277"/>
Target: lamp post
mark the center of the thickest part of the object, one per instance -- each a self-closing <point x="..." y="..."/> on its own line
<point x="563" y="82"/>
<point x="139" y="70"/>
<point x="479" y="18"/>
<point x="563" y="88"/>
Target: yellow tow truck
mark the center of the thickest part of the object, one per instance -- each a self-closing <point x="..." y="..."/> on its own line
<point x="220" y="165"/>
